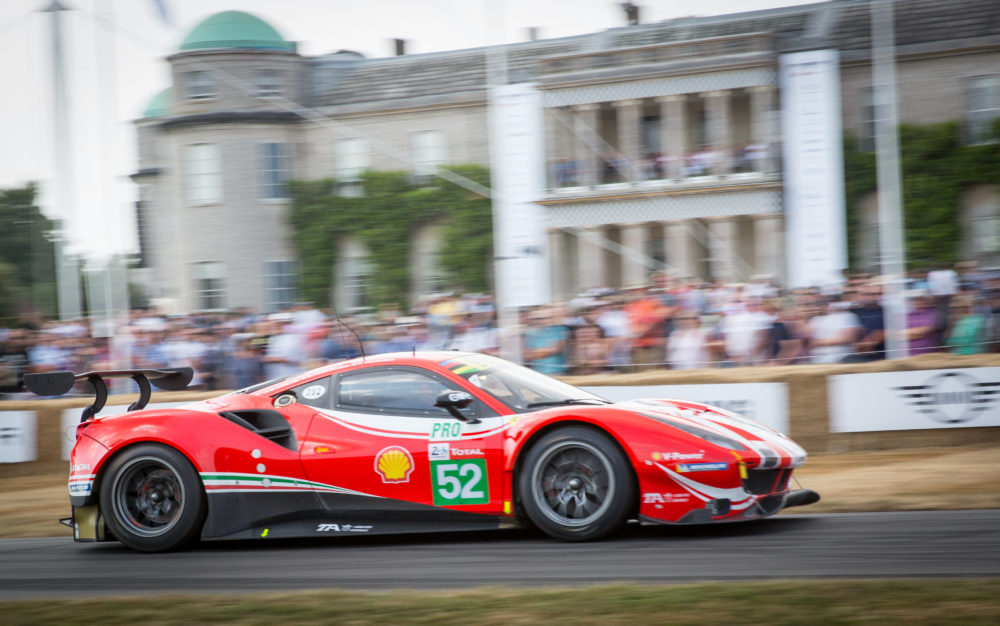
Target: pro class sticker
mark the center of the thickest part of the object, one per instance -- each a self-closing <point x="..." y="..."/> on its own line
<point x="446" y="431"/>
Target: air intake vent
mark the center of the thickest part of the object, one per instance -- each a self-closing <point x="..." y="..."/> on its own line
<point x="761" y="482"/>
<point x="267" y="423"/>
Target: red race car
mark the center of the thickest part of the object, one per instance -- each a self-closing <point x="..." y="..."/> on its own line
<point x="406" y="443"/>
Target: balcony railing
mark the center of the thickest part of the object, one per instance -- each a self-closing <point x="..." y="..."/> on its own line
<point x="748" y="161"/>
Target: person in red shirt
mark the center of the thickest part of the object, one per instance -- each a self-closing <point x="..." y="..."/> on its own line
<point x="647" y="316"/>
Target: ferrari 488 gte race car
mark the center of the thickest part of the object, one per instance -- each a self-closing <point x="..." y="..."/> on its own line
<point x="402" y="443"/>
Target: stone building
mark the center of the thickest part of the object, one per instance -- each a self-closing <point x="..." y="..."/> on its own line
<point x="662" y="141"/>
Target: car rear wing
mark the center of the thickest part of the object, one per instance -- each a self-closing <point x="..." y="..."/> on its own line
<point x="58" y="383"/>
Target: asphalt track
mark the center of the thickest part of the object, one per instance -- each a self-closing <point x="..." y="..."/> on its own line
<point x="906" y="544"/>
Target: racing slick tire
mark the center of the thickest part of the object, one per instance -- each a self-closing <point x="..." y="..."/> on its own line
<point x="576" y="485"/>
<point x="152" y="499"/>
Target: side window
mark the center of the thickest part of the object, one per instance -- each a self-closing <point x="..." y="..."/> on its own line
<point x="394" y="391"/>
<point x="315" y="393"/>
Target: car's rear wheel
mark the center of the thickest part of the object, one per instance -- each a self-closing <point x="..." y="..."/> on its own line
<point x="575" y="485"/>
<point x="152" y="498"/>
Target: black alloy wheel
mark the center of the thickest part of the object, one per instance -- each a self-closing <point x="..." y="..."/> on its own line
<point x="575" y="485"/>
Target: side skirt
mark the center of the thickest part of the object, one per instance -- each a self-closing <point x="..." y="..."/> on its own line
<point x="255" y="515"/>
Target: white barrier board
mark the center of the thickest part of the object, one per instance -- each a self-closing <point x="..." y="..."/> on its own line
<point x="18" y="437"/>
<point x="955" y="398"/>
<point x="766" y="403"/>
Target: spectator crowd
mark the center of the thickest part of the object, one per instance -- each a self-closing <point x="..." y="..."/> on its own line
<point x="669" y="323"/>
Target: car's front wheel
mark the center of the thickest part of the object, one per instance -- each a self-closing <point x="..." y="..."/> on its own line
<point x="152" y="498"/>
<point x="575" y="485"/>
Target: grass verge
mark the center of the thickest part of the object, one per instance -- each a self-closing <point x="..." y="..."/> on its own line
<point x="911" y="602"/>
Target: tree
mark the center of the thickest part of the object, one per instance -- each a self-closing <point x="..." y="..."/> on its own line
<point x="384" y="219"/>
<point x="936" y="168"/>
<point x="27" y="264"/>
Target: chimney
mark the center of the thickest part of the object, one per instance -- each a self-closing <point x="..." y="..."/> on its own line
<point x="631" y="13"/>
<point x="532" y="32"/>
<point x="400" y="45"/>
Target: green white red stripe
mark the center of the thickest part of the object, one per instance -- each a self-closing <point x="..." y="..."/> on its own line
<point x="230" y="482"/>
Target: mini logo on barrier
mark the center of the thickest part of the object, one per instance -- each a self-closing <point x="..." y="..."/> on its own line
<point x="952" y="397"/>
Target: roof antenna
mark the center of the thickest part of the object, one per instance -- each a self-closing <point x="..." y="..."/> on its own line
<point x="336" y="316"/>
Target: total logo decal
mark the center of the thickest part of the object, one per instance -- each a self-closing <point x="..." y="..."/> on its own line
<point x="394" y="464"/>
<point x="665" y="498"/>
<point x="444" y="452"/>
<point x="342" y="528"/>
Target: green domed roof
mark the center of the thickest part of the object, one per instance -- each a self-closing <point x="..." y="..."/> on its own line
<point x="159" y="106"/>
<point x="235" y="29"/>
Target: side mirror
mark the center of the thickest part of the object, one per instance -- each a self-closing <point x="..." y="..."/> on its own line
<point x="452" y="400"/>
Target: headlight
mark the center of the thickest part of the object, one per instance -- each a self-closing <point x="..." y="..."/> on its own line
<point x="713" y="438"/>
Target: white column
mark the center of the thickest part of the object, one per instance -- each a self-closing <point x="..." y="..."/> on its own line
<point x="719" y="129"/>
<point x="589" y="260"/>
<point x="672" y="129"/>
<point x="769" y="245"/>
<point x="629" y="126"/>
<point x="558" y="266"/>
<point x="762" y="126"/>
<point x="634" y="239"/>
<point x="586" y="140"/>
<point x="722" y="249"/>
<point x="746" y="253"/>
<point x="680" y="248"/>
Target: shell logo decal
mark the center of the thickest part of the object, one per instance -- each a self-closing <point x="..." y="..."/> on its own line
<point x="394" y="464"/>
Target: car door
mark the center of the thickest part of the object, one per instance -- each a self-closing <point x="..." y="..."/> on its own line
<point x="382" y="437"/>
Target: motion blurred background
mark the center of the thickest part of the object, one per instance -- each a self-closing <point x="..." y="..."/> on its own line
<point x="588" y="177"/>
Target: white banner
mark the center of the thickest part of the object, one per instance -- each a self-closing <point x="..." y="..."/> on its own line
<point x="517" y="159"/>
<point x="18" y="439"/>
<point x="959" y="398"/>
<point x="766" y="403"/>
<point x="812" y="146"/>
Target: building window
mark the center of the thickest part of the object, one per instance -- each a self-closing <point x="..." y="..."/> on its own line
<point x="274" y="171"/>
<point x="199" y="86"/>
<point x="987" y="235"/>
<point x="982" y="108"/>
<point x="267" y="83"/>
<point x="209" y="286"/>
<point x="280" y="279"/>
<point x="868" y="110"/>
<point x="203" y="170"/>
<point x="351" y="160"/>
<point x="358" y="272"/>
<point x="428" y="153"/>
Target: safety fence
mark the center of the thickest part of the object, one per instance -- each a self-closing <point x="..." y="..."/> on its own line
<point x="929" y="400"/>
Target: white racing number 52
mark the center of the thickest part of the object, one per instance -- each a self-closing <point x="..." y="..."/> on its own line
<point x="460" y="482"/>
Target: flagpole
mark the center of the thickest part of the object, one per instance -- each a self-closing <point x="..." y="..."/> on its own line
<point x="67" y="274"/>
<point x="890" y="218"/>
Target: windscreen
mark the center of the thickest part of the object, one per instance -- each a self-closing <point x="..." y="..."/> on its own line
<point x="519" y="388"/>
